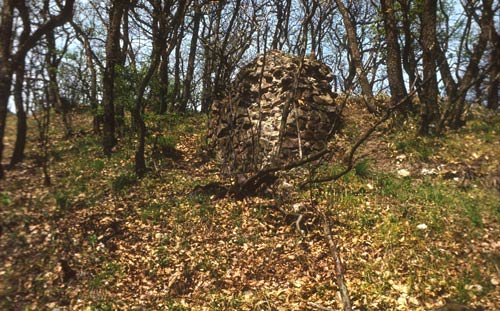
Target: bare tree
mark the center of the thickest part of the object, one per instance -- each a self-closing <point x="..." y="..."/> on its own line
<point x="91" y="61"/>
<point x="394" y="70"/>
<point x="161" y="26"/>
<point x="10" y="58"/>
<point x="355" y="53"/>
<point x="280" y="34"/>
<point x="124" y="52"/>
<point x="53" y="58"/>
<point x="227" y="35"/>
<point x="187" y="89"/>
<point x="429" y="95"/>
<point x="494" y="74"/>
<point x="112" y="58"/>
<point x="21" y="126"/>
<point x="452" y="113"/>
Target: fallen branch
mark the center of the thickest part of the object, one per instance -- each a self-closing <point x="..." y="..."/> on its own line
<point x="297" y="225"/>
<point x="252" y="182"/>
<point x="339" y="267"/>
<point x="320" y="307"/>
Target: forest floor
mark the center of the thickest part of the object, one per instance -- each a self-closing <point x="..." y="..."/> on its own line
<point x="417" y="222"/>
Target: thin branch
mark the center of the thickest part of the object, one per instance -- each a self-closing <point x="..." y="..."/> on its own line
<point x="320" y="307"/>
<point x="339" y="267"/>
<point x="349" y="158"/>
<point x="85" y="40"/>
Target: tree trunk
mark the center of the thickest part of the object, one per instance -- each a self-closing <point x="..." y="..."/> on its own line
<point x="112" y="58"/>
<point x="224" y="64"/>
<point x="428" y="94"/>
<point x="53" y="60"/>
<point x="175" y="96"/>
<point x="450" y="86"/>
<point x="394" y="70"/>
<point x="21" y="126"/>
<point x="186" y="92"/>
<point x="408" y="52"/>
<point x="492" y="100"/>
<point x="9" y="62"/>
<point x="97" y="118"/>
<point x="164" y="81"/>
<point x="91" y="62"/>
<point x="282" y="20"/>
<point x="472" y="70"/>
<point x="355" y="53"/>
<point x="160" y="28"/>
<point x="6" y="70"/>
<point x="5" y="83"/>
<point x="122" y="59"/>
<point x="494" y="88"/>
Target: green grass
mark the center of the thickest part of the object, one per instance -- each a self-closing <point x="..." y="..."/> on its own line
<point x="62" y="200"/>
<point x="111" y="271"/>
<point x="123" y="182"/>
<point x="97" y="165"/>
<point x="154" y="212"/>
<point x="5" y="198"/>
<point x="374" y="214"/>
<point x="423" y="147"/>
<point x="362" y="168"/>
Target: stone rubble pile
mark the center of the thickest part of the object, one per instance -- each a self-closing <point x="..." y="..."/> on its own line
<point x="246" y="125"/>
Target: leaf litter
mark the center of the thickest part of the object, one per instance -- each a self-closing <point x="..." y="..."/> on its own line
<point x="410" y="241"/>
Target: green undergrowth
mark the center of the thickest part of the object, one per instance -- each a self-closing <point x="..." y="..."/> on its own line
<point x="408" y="243"/>
<point x="422" y="236"/>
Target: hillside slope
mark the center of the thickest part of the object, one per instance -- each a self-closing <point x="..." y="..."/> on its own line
<point x="416" y="221"/>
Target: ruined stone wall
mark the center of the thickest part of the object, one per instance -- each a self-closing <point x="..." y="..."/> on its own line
<point x="246" y="125"/>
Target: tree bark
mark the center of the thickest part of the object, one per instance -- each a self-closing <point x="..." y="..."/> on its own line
<point x="160" y="28"/>
<point x="355" y="53"/>
<point x="6" y="68"/>
<point x="175" y="96"/>
<point x="494" y="72"/>
<point x="10" y="61"/>
<point x="394" y="70"/>
<point x="429" y="94"/>
<point x="21" y="126"/>
<point x="122" y="59"/>
<point x="186" y="92"/>
<point x="492" y="100"/>
<point x="112" y="58"/>
<point x="164" y="82"/>
<point x="408" y="51"/>
<point x="280" y="35"/>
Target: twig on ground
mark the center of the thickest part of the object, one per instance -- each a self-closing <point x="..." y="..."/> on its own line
<point x="297" y="224"/>
<point x="317" y="306"/>
<point x="339" y="267"/>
